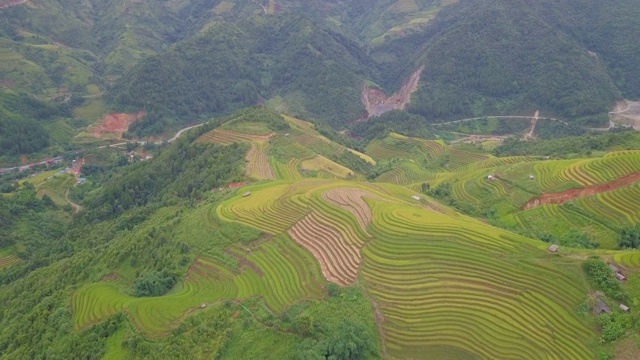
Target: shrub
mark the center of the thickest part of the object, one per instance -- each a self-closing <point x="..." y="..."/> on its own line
<point x="154" y="283"/>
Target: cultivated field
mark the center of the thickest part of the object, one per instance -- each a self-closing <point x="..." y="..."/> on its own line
<point x="439" y="280"/>
<point x="8" y="257"/>
<point x="277" y="270"/>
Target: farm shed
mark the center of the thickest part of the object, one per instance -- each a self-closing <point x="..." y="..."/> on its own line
<point x="614" y="268"/>
<point x="601" y="308"/>
<point x="624" y="308"/>
<point x="414" y="197"/>
<point x="554" y="248"/>
<point x="246" y="194"/>
<point x="620" y="277"/>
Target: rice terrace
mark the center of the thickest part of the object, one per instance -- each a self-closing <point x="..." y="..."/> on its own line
<point x="439" y="283"/>
<point x="319" y="180"/>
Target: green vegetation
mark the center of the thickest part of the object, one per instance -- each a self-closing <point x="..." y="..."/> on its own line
<point x="261" y="235"/>
<point x="603" y="278"/>
<point x="291" y="56"/>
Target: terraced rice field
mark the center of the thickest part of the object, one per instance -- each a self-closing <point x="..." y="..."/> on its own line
<point x="288" y="171"/>
<point x="257" y="210"/>
<point x="560" y="221"/>
<point x="441" y="281"/>
<point x="406" y="173"/>
<point x="338" y="255"/>
<point x="461" y="160"/>
<point x="380" y="150"/>
<point x="9" y="260"/>
<point x="321" y="163"/>
<point x="226" y="137"/>
<point x="558" y="175"/>
<point x="431" y="149"/>
<point x="629" y="260"/>
<point x="278" y="271"/>
<point x="258" y="165"/>
<point x="619" y="207"/>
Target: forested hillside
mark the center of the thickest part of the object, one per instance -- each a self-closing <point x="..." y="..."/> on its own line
<point x="507" y="57"/>
<point x="313" y="72"/>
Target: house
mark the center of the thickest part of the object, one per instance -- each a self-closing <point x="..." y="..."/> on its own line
<point x="81" y="181"/>
<point x="624" y="308"/>
<point x="601" y="308"/>
<point x="554" y="248"/>
<point x="531" y="177"/>
<point x="246" y="194"/>
<point x="491" y="178"/>
<point x="620" y="276"/>
<point x="414" y="197"/>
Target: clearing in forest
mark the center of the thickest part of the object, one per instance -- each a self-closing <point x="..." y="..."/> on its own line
<point x="115" y="124"/>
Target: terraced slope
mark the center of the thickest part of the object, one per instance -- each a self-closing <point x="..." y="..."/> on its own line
<point x="443" y="282"/>
<point x="280" y="272"/>
<point x="258" y="163"/>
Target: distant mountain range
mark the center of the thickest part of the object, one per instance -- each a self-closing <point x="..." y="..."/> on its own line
<point x="182" y="61"/>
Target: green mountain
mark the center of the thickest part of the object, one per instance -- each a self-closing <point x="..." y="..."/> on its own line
<point x="288" y="60"/>
<point x="505" y="57"/>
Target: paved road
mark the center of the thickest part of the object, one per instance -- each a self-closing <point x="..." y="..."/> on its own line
<point x="496" y="117"/>
<point x="177" y="135"/>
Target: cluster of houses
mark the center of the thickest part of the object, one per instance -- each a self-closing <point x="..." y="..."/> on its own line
<point x="601" y="307"/>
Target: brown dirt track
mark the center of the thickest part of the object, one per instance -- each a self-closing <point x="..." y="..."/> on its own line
<point x="116" y="123"/>
<point x="565" y="196"/>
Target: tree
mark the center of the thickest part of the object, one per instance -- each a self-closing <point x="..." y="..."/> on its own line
<point x="629" y="237"/>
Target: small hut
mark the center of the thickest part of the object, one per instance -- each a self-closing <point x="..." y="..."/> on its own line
<point x="601" y="308"/>
<point x="614" y="268"/>
<point x="531" y="177"/>
<point x="553" y="248"/>
<point x="246" y="194"/>
<point x="415" y="197"/>
<point x="624" y="308"/>
<point x="620" y="277"/>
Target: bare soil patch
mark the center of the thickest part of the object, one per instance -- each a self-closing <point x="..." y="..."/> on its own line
<point x="377" y="103"/>
<point x="116" y="123"/>
<point x="237" y="185"/>
<point x="339" y="260"/>
<point x="565" y="196"/>
<point x="628" y="113"/>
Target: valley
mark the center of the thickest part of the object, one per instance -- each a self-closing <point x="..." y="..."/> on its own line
<point x="194" y="179"/>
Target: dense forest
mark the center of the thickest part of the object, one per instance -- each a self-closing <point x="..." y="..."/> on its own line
<point x="21" y="123"/>
<point x="316" y="72"/>
<point x="498" y="57"/>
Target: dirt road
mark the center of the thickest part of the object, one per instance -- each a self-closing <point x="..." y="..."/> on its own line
<point x="76" y="207"/>
<point x="565" y="196"/>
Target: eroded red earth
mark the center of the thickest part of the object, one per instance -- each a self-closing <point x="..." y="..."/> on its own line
<point x="237" y="185"/>
<point x="565" y="196"/>
<point x="377" y="103"/>
<point x="116" y="123"/>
